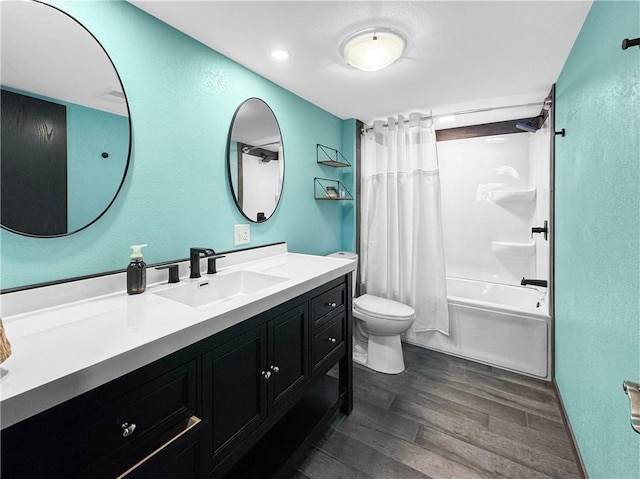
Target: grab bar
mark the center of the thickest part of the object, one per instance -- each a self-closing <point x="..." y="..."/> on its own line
<point x="633" y="391"/>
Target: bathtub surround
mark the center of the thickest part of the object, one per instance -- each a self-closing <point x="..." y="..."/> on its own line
<point x="182" y="96"/>
<point x="494" y="190"/>
<point x="597" y="238"/>
<point x="401" y="230"/>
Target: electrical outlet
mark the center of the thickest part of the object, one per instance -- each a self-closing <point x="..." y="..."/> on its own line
<point x="241" y="234"/>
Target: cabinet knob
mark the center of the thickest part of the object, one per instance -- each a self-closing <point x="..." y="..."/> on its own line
<point x="266" y="374"/>
<point x="275" y="369"/>
<point x="127" y="429"/>
<point x="332" y="340"/>
<point x="332" y="304"/>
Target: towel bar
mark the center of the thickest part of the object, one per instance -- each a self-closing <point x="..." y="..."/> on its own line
<point x="633" y="391"/>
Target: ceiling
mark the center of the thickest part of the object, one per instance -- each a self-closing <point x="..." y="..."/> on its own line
<point x="50" y="54"/>
<point x="460" y="55"/>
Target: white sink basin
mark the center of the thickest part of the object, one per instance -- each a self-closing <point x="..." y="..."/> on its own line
<point x="220" y="287"/>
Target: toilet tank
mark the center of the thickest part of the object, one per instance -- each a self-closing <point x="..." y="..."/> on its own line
<point x="353" y="256"/>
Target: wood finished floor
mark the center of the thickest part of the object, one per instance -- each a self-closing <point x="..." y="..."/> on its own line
<point x="448" y="418"/>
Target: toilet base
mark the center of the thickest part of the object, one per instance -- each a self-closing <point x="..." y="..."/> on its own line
<point x="383" y="354"/>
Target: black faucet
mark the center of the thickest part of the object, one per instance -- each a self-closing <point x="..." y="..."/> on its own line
<point x="534" y="282"/>
<point x="194" y="259"/>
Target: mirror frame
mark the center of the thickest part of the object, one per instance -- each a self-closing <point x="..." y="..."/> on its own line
<point x="128" y="162"/>
<point x="228" y="160"/>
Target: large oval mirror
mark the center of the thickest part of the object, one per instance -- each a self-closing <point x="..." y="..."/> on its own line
<point x="66" y="133"/>
<point x="255" y="159"/>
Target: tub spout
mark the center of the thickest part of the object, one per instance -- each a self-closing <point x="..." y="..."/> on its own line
<point x="534" y="282"/>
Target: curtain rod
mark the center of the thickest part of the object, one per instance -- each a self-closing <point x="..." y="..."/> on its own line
<point x="466" y="112"/>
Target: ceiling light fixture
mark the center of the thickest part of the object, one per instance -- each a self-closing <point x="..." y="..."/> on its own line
<point x="280" y="54"/>
<point x="373" y="49"/>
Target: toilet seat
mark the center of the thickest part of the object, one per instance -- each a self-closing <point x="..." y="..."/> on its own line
<point x="383" y="308"/>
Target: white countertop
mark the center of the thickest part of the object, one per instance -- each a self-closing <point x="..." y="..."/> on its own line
<point x="63" y="350"/>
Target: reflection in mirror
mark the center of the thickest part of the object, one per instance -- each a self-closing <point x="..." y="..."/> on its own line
<point x="255" y="160"/>
<point x="65" y="123"/>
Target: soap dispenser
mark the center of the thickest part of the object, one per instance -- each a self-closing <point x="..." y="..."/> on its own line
<point x="136" y="271"/>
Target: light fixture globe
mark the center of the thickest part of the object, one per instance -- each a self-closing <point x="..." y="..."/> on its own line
<point x="373" y="49"/>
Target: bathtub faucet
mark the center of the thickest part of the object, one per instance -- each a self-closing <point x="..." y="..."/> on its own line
<point x="534" y="282"/>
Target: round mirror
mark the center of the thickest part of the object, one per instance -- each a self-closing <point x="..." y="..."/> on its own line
<point x="66" y="133"/>
<point x="255" y="159"/>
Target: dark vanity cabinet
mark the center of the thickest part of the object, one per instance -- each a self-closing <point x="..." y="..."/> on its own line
<point x="244" y="402"/>
<point x="130" y="424"/>
<point x="253" y="376"/>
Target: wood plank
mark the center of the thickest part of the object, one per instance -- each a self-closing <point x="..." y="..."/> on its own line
<point x="481" y="437"/>
<point x="473" y="456"/>
<point x="548" y="426"/>
<point x="319" y="465"/>
<point x="408" y="383"/>
<point x="410" y="454"/>
<point x="511" y="396"/>
<point x="383" y="420"/>
<point x="418" y="355"/>
<point x="490" y="422"/>
<point x="363" y="457"/>
<point x="521" y="379"/>
<point x="539" y="440"/>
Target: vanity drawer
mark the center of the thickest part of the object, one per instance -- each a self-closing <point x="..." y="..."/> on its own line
<point x="325" y="304"/>
<point x="87" y="436"/>
<point x="327" y="340"/>
<point x="143" y="416"/>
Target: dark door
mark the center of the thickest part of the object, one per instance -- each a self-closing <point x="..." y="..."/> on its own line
<point x="34" y="165"/>
<point x="288" y="358"/>
<point x="239" y="390"/>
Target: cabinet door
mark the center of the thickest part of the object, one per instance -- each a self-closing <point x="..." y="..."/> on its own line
<point x="288" y="354"/>
<point x="239" y="390"/>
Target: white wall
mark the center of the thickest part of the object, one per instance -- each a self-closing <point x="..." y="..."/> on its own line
<point x="489" y="204"/>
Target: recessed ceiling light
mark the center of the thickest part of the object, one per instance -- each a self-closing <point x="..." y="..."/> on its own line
<point x="280" y="54"/>
<point x="373" y="49"/>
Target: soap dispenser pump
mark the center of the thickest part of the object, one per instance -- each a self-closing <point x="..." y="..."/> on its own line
<point x="136" y="271"/>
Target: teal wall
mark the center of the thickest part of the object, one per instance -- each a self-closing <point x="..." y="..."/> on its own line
<point x="182" y="96"/>
<point x="598" y="238"/>
<point x="92" y="181"/>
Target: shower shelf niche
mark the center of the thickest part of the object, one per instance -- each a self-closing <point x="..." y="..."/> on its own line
<point x="507" y="248"/>
<point x="327" y="189"/>
<point x="330" y="157"/>
<point x="513" y="196"/>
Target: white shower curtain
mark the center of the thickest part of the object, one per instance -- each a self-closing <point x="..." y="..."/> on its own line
<point x="401" y="229"/>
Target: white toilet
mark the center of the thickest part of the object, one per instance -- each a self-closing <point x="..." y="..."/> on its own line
<point x="378" y="324"/>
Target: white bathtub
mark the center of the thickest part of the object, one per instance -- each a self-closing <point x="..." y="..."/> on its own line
<point x="500" y="325"/>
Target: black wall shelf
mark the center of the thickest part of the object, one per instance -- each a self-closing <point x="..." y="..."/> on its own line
<point x="330" y="157"/>
<point x="328" y="189"/>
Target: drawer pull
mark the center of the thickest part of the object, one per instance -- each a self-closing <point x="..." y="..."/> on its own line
<point x="332" y="304"/>
<point x="128" y="429"/>
<point x="191" y="423"/>
<point x="266" y="374"/>
<point x="332" y="340"/>
<point x="275" y="369"/>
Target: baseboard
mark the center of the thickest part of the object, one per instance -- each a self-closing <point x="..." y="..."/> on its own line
<point x="574" y="444"/>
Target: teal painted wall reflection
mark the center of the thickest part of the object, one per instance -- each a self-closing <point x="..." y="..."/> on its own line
<point x="598" y="238"/>
<point x="92" y="181"/>
<point x="182" y="96"/>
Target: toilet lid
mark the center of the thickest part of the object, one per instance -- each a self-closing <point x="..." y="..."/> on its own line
<point x="383" y="308"/>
